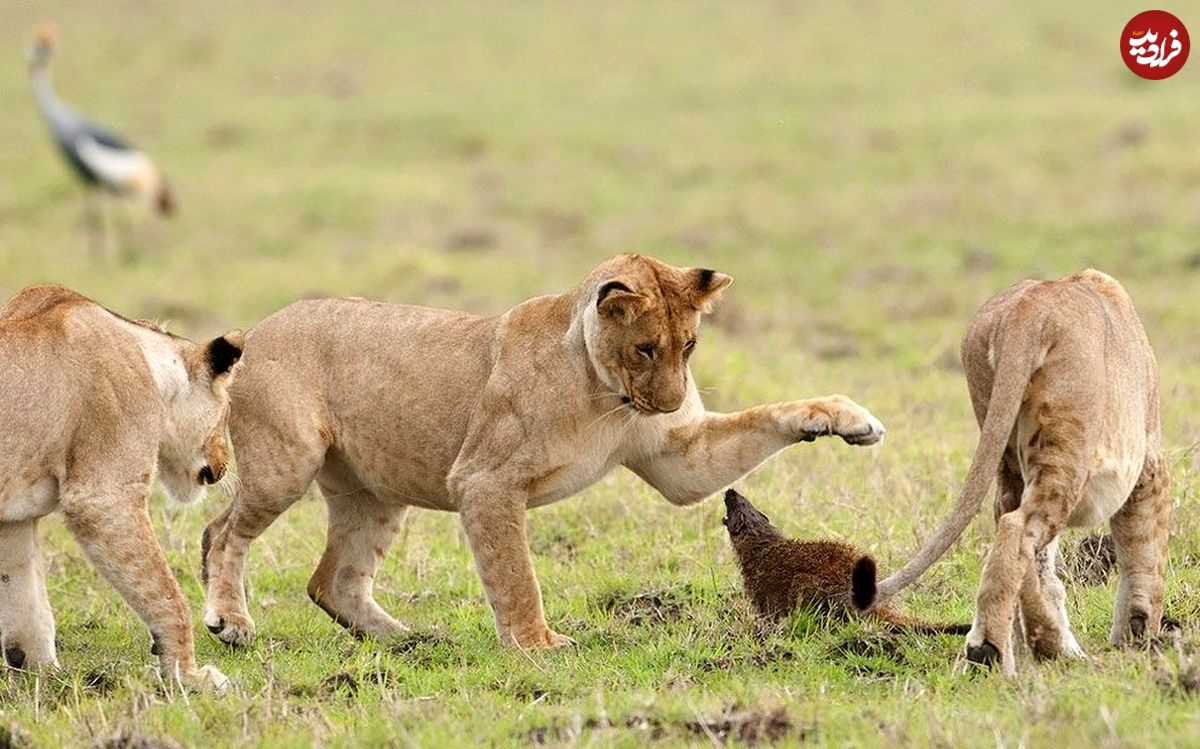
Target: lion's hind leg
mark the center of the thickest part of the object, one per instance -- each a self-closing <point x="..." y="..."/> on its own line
<point x="226" y="613"/>
<point x="361" y="529"/>
<point x="214" y="529"/>
<point x="1020" y="534"/>
<point x="1044" y="608"/>
<point x="1140" y="531"/>
<point x="26" y="621"/>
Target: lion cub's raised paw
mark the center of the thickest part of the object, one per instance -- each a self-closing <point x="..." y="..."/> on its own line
<point x="868" y="431"/>
<point x="841" y="416"/>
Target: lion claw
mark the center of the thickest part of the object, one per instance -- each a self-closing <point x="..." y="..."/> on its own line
<point x="871" y="431"/>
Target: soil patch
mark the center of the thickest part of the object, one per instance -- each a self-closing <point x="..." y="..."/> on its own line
<point x="748" y="726"/>
<point x="871" y="655"/>
<point x="650" y="607"/>
<point x="97" y="682"/>
<point x="127" y="739"/>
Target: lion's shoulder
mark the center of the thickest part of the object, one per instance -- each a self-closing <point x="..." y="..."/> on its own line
<point x="44" y="303"/>
<point x="47" y="328"/>
<point x="1103" y="286"/>
<point x="50" y="308"/>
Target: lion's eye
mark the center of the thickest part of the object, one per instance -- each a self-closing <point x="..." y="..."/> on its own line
<point x="691" y="344"/>
<point x="646" y="350"/>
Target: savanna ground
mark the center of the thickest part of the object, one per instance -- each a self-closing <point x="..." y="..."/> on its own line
<point x="868" y="172"/>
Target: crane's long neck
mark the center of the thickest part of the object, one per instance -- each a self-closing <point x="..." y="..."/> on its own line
<point x="55" y="112"/>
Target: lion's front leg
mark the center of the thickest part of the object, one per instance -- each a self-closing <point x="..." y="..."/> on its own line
<point x="26" y="621"/>
<point x="494" y="521"/>
<point x="707" y="455"/>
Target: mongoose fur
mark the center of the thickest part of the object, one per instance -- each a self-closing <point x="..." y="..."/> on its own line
<point x="781" y="574"/>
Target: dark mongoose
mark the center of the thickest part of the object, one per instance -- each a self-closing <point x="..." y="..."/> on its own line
<point x="782" y="574"/>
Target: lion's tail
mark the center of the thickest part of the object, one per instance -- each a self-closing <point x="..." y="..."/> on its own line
<point x="898" y="622"/>
<point x="1016" y="358"/>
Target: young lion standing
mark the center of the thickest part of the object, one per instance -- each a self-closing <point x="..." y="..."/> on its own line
<point x="92" y="404"/>
<point x="1065" y="389"/>
<point x="390" y="406"/>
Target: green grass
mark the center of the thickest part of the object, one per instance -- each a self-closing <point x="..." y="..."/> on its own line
<point x="868" y="173"/>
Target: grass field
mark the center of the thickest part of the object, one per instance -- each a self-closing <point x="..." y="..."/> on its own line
<point x="868" y="172"/>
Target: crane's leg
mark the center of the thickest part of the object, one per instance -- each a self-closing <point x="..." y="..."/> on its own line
<point x="126" y="250"/>
<point x="93" y="220"/>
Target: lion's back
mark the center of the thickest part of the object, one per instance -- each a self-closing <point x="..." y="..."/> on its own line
<point x="388" y="388"/>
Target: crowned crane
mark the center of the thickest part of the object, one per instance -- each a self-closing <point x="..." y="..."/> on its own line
<point x="101" y="159"/>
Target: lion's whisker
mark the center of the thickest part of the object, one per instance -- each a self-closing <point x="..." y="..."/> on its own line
<point x="598" y="396"/>
<point x="606" y="413"/>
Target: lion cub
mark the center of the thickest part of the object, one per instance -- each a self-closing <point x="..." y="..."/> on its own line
<point x="93" y="405"/>
<point x="1065" y="389"/>
<point x="387" y="407"/>
<point x="782" y="574"/>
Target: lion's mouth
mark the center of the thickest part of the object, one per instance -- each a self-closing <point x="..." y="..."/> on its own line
<point x="641" y="407"/>
<point x="636" y="405"/>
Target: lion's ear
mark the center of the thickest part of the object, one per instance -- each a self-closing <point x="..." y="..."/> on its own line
<point x="616" y="301"/>
<point x="704" y="287"/>
<point x="224" y="351"/>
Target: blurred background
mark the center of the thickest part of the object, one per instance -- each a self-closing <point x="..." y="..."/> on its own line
<point x="848" y="163"/>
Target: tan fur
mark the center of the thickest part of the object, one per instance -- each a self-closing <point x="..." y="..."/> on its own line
<point x="1065" y="388"/>
<point x="390" y="406"/>
<point x="92" y="405"/>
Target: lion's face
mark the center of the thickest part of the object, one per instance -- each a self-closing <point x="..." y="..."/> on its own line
<point x="195" y="452"/>
<point x="647" y="317"/>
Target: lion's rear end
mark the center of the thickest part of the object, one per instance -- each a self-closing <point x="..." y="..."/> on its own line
<point x="1064" y="384"/>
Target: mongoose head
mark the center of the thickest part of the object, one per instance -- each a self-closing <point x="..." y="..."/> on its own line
<point x="751" y="533"/>
<point x="743" y="519"/>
